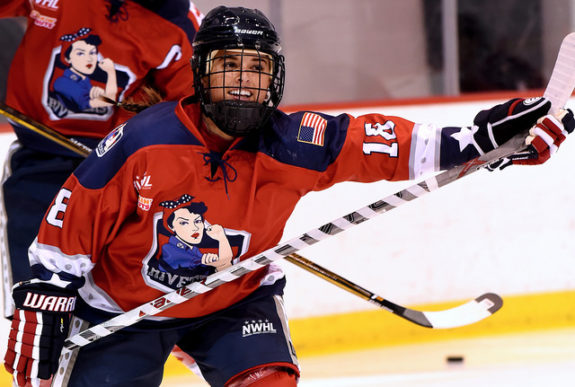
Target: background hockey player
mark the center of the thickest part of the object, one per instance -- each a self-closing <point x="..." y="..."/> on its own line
<point x="74" y="51"/>
<point x="99" y="249"/>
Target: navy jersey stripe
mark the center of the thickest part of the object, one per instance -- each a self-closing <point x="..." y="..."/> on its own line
<point x="157" y="125"/>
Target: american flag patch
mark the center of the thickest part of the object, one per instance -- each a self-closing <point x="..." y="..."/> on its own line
<point x="312" y="129"/>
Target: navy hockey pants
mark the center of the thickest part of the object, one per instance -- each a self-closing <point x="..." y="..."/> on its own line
<point x="251" y="333"/>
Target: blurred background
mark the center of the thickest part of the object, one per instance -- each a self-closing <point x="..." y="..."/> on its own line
<point x="362" y="50"/>
<point x="349" y="50"/>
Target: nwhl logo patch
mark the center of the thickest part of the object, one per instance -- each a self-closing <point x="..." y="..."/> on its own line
<point x="257" y="328"/>
<point x="110" y="140"/>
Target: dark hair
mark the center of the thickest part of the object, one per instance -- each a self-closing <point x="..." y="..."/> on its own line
<point x="196" y="208"/>
<point x="93" y="40"/>
<point x="146" y="97"/>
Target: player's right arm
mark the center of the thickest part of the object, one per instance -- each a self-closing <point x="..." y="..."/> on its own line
<point x="72" y="233"/>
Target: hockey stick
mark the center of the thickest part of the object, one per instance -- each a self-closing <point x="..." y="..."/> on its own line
<point x="558" y="81"/>
<point x="465" y="314"/>
<point x="558" y="91"/>
<point x="284" y="249"/>
<point x="482" y="306"/>
<point x="43" y="130"/>
<point x="491" y="302"/>
<point x="485" y="304"/>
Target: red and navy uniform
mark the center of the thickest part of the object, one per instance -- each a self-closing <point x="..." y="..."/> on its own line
<point x="154" y="190"/>
<point x="108" y="221"/>
<point x="144" y="45"/>
<point x="50" y="84"/>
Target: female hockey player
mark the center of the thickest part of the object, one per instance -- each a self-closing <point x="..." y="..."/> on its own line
<point x="100" y="249"/>
<point x="72" y="52"/>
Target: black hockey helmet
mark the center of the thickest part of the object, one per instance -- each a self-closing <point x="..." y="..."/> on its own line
<point x="241" y="31"/>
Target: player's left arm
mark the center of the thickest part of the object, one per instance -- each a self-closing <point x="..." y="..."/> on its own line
<point x="379" y="147"/>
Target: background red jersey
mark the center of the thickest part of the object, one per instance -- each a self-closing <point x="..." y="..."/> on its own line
<point x="60" y="86"/>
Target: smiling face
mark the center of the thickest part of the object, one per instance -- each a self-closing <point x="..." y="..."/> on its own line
<point x="239" y="75"/>
<point x="188" y="226"/>
<point x="83" y="57"/>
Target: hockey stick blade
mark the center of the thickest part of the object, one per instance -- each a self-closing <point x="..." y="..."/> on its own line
<point x="281" y="250"/>
<point x="420" y="318"/>
<point x="468" y="313"/>
<point x="417" y="317"/>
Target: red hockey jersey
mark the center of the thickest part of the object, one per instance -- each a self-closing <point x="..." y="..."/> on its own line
<point x="72" y="53"/>
<point x="153" y="208"/>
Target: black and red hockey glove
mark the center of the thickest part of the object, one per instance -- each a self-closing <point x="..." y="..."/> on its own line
<point x="545" y="138"/>
<point x="39" y="328"/>
<point x="497" y="125"/>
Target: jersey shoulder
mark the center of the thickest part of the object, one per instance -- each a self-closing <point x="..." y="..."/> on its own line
<point x="180" y="13"/>
<point x="306" y="139"/>
<point x="157" y="125"/>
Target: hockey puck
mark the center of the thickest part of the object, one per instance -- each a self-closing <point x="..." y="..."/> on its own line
<point x="454" y="359"/>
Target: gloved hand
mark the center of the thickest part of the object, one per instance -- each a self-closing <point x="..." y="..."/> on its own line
<point x="497" y="125"/>
<point x="543" y="141"/>
<point x="39" y="328"/>
<point x="545" y="138"/>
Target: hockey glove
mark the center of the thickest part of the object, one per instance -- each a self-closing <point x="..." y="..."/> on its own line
<point x="545" y="138"/>
<point x="39" y="328"/>
<point x="543" y="141"/>
<point x="497" y="125"/>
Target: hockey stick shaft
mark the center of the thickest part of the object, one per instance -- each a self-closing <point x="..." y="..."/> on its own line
<point x="283" y="249"/>
<point x="345" y="284"/>
<point x="558" y="89"/>
<point x="295" y="259"/>
<point x="313" y="236"/>
<point x="332" y="277"/>
<point x="41" y="129"/>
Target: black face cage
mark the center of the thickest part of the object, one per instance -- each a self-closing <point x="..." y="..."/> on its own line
<point x="232" y="115"/>
<point x="267" y="83"/>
